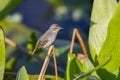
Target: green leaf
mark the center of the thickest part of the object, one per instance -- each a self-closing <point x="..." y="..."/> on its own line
<point x="91" y="71"/>
<point x="2" y="6"/>
<point x="22" y="74"/>
<point x="2" y="54"/>
<point x="74" y="66"/>
<point x="101" y="15"/>
<point x="6" y="6"/>
<point x="88" y="66"/>
<point x="9" y="66"/>
<point x="111" y="46"/>
<point x="32" y="41"/>
<point x="31" y="44"/>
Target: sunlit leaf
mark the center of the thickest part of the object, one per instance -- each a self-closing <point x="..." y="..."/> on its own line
<point x="2" y="54"/>
<point x="101" y="14"/>
<point x="87" y="66"/>
<point x="90" y="73"/>
<point x="111" y="46"/>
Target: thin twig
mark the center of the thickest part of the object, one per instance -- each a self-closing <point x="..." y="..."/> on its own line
<point x="13" y="44"/>
<point x="46" y="62"/>
<point x="10" y="42"/>
<point x="72" y="42"/>
<point x="55" y="64"/>
<point x="81" y="43"/>
<point x="76" y="32"/>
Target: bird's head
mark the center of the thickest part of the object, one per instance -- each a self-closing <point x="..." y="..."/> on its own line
<point x="55" y="27"/>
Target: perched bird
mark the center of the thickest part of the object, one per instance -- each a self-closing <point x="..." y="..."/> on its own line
<point x="48" y="37"/>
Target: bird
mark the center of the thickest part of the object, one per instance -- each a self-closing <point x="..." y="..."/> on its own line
<point x="48" y="37"/>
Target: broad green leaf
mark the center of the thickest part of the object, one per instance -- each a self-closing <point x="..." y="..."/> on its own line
<point x="91" y="71"/>
<point x="101" y="15"/>
<point x="22" y="74"/>
<point x="74" y="66"/>
<point x="2" y="54"/>
<point x="6" y="6"/>
<point x="111" y="46"/>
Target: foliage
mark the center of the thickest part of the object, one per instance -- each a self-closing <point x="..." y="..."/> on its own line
<point x="22" y="74"/>
<point x="104" y="44"/>
<point x="2" y="54"/>
<point x="104" y="37"/>
<point x="99" y="24"/>
<point x="7" y="6"/>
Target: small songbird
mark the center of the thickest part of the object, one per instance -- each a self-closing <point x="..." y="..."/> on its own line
<point x="48" y="37"/>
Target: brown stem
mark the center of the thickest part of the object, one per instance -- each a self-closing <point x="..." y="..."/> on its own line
<point x="81" y="43"/>
<point x="55" y="64"/>
<point x="44" y="67"/>
<point x="72" y="42"/>
<point x="10" y="42"/>
<point x="76" y="32"/>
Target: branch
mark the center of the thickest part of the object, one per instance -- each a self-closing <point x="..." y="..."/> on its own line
<point x="55" y="64"/>
<point x="72" y="42"/>
<point x="10" y="42"/>
<point x="81" y="42"/>
<point x="46" y="62"/>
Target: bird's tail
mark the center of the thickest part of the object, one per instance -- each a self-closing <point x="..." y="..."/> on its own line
<point x="34" y="51"/>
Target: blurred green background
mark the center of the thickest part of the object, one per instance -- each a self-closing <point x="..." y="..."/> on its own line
<point x="24" y="21"/>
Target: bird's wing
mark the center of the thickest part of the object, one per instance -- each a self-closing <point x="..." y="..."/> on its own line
<point x="44" y="39"/>
<point x="40" y="44"/>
